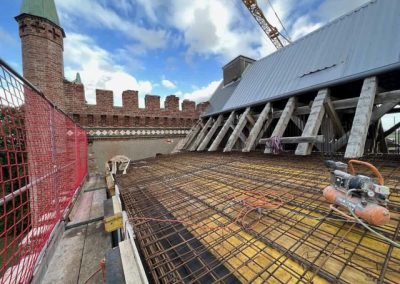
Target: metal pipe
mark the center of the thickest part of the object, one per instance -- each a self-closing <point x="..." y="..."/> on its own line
<point x="21" y="190"/>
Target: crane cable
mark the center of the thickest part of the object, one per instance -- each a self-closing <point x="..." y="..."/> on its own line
<point x="279" y="19"/>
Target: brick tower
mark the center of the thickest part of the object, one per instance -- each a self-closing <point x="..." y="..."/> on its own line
<point x="42" y="48"/>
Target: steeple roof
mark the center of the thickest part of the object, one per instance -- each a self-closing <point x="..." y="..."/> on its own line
<point x="78" y="79"/>
<point x="41" y="8"/>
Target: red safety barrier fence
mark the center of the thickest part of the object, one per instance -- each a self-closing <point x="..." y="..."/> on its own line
<point x="43" y="156"/>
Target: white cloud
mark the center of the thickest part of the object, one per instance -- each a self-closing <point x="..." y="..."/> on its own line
<point x="214" y="28"/>
<point x="202" y="94"/>
<point x="99" y="15"/>
<point x="330" y="10"/>
<point x="98" y="69"/>
<point x="304" y="26"/>
<point x="168" y="84"/>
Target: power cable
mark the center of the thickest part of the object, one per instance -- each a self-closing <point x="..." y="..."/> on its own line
<point x="392" y="242"/>
<point x="276" y="14"/>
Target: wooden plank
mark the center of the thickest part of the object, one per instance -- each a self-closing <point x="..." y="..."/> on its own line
<point x="112" y="215"/>
<point x="384" y="108"/>
<point x="238" y="129"/>
<point x="296" y="139"/>
<point x="250" y="119"/>
<point x="242" y="137"/>
<point x="343" y="140"/>
<point x="263" y="130"/>
<point x="328" y="132"/>
<point x="210" y="133"/>
<point x="362" y="118"/>
<point x="251" y="140"/>
<point x="391" y="129"/>
<point x="129" y="263"/>
<point x="345" y="103"/>
<point x="283" y="121"/>
<point x="201" y="135"/>
<point x="331" y="112"/>
<point x="383" y="147"/>
<point x="298" y="122"/>
<point x="97" y="242"/>
<point x="193" y="135"/>
<point x="110" y="185"/>
<point x="374" y="141"/>
<point x="222" y="132"/>
<point x="313" y="122"/>
<point x="185" y="140"/>
<point x="81" y="248"/>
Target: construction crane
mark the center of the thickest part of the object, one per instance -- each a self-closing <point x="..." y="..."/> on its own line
<point x="271" y="31"/>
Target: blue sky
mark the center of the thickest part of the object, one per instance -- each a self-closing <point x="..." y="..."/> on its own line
<point x="164" y="47"/>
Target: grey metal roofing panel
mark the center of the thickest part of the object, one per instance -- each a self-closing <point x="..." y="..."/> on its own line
<point x="364" y="42"/>
<point x="221" y="96"/>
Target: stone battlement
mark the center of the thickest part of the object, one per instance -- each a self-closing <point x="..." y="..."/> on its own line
<point x="105" y="114"/>
<point x="42" y="55"/>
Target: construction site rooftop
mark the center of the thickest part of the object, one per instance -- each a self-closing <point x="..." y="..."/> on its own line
<point x="252" y="218"/>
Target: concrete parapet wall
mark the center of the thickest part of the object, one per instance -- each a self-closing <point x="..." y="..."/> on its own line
<point x="135" y="149"/>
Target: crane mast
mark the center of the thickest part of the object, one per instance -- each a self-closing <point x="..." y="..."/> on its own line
<point x="271" y="31"/>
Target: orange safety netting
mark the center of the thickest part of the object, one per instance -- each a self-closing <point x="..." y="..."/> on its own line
<point x="43" y="156"/>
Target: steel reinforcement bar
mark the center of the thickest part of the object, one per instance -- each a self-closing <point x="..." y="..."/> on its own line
<point x="187" y="213"/>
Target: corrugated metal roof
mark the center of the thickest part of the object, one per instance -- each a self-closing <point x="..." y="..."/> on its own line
<point x="221" y="96"/>
<point x="364" y="42"/>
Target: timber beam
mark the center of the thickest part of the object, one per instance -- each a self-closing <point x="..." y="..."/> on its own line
<point x="189" y="137"/>
<point x="313" y="122"/>
<point x="298" y="122"/>
<point x="391" y="130"/>
<point x="257" y="128"/>
<point x="210" y="133"/>
<point x="331" y="112"/>
<point x="295" y="140"/>
<point x="283" y="121"/>
<point x="193" y="135"/>
<point x="222" y="132"/>
<point x="237" y="131"/>
<point x="344" y="104"/>
<point x="362" y="118"/>
<point x="201" y="135"/>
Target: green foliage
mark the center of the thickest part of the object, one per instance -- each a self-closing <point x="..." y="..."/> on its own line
<point x="14" y="172"/>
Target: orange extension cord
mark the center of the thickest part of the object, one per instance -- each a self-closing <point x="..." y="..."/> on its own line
<point x="102" y="268"/>
<point x="250" y="204"/>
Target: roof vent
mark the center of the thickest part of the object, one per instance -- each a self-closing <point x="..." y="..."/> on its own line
<point x="234" y="69"/>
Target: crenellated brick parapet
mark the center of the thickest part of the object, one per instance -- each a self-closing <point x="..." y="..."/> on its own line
<point x="104" y="114"/>
<point x="130" y="100"/>
<point x="202" y="107"/>
<point x="188" y="106"/>
<point x="171" y="103"/>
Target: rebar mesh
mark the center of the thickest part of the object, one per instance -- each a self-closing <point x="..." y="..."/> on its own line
<point x="183" y="209"/>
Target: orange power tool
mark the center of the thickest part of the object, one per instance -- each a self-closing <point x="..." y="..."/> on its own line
<point x="358" y="193"/>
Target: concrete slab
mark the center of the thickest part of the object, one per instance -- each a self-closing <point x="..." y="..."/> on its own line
<point x="97" y="209"/>
<point x="80" y="249"/>
<point x="97" y="242"/>
<point x="65" y="264"/>
<point x="81" y="210"/>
